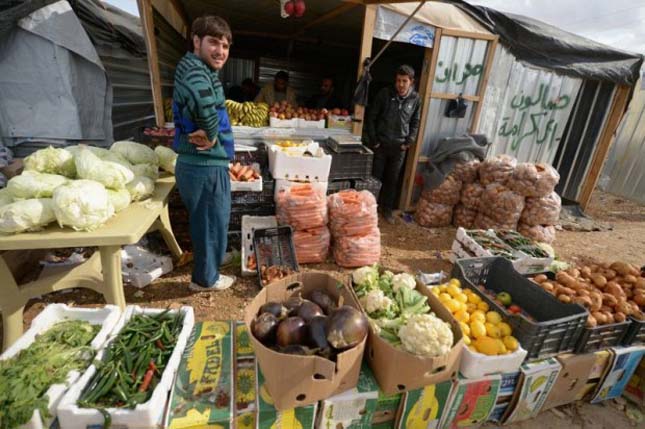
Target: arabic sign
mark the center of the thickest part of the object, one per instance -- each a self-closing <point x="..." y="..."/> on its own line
<point x="460" y="65"/>
<point x="457" y="74"/>
<point x="414" y="32"/>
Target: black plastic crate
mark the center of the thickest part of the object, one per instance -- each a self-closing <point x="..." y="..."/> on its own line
<point x="248" y="157"/>
<point x="235" y="222"/>
<point x="274" y="247"/>
<point x="351" y="164"/>
<point x="557" y="326"/>
<point x="245" y="198"/>
<point x="371" y="184"/>
<point x="337" y="186"/>
<point x="602" y="337"/>
<point x="635" y="333"/>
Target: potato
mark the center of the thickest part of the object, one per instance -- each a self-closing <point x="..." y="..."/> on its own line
<point x="639" y="299"/>
<point x="640" y="283"/>
<point x="609" y="274"/>
<point x="619" y="317"/>
<point x="599" y="280"/>
<point x="541" y="278"/>
<point x="605" y="265"/>
<point x="564" y="278"/>
<point x="548" y="287"/>
<point x="630" y="279"/>
<point x="634" y="306"/>
<point x="623" y="307"/>
<point x="620" y="267"/>
<point x="639" y="315"/>
<point x="596" y="301"/>
<point x="615" y="289"/>
<point x="610" y="317"/>
<point x="634" y="271"/>
<point x="583" y="292"/>
<point x="568" y="291"/>
<point x="585" y="272"/>
<point x="591" y="321"/>
<point x="629" y="294"/>
<point x="564" y="298"/>
<point x="600" y="317"/>
<point x="609" y="300"/>
<point x="573" y="272"/>
<point x="605" y="308"/>
<point x="582" y="300"/>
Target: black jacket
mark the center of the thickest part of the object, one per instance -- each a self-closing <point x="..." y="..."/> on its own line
<point x="392" y="120"/>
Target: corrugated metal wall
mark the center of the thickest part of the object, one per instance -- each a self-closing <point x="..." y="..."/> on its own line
<point x="624" y="172"/>
<point x="526" y="110"/>
<point x="171" y="46"/>
<point x="236" y="70"/>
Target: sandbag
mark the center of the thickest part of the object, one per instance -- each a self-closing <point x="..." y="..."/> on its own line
<point x="542" y="211"/>
<point x="540" y="233"/>
<point x="497" y="170"/>
<point x="463" y="216"/>
<point x="534" y="180"/>
<point x="448" y="193"/>
<point x="501" y="204"/>
<point x="483" y="221"/>
<point x="471" y="195"/>
<point x="433" y="215"/>
<point x="467" y="172"/>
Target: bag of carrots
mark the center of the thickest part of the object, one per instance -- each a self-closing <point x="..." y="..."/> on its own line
<point x="312" y="245"/>
<point x="302" y="205"/>
<point x="358" y="251"/>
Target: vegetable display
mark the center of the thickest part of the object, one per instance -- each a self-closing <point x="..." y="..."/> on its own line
<point x="26" y="377"/>
<point x="524" y="244"/>
<point x="610" y="292"/>
<point x="399" y="314"/>
<point x="134" y="362"/>
<point x="242" y="173"/>
<point x="309" y="326"/>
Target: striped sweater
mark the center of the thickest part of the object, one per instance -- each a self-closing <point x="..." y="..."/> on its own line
<point x="198" y="103"/>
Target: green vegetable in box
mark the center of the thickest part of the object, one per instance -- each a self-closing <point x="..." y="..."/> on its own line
<point x="203" y="391"/>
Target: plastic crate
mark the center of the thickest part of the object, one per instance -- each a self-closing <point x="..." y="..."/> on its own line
<point x="602" y="337"/>
<point x="249" y="225"/>
<point x="234" y="241"/>
<point x="557" y="326"/>
<point x="235" y="222"/>
<point x="371" y="184"/>
<point x="351" y="164"/>
<point x="274" y="246"/>
<point x="337" y="186"/>
<point x="635" y="333"/>
<point x="246" y="198"/>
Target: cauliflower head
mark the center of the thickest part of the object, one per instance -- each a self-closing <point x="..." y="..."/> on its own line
<point x="426" y="335"/>
<point x="375" y="301"/>
<point x="403" y="280"/>
<point x="366" y="276"/>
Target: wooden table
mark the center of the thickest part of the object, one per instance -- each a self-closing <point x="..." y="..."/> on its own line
<point x="101" y="272"/>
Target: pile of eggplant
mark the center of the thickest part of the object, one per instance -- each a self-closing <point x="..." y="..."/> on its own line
<point x="311" y="326"/>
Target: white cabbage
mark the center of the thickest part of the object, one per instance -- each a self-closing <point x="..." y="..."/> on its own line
<point x="140" y="188"/>
<point x="135" y="153"/>
<point x="26" y="215"/>
<point x="53" y="161"/>
<point x="82" y="204"/>
<point x="120" y="199"/>
<point x="148" y="170"/>
<point x="110" y="174"/>
<point x="5" y="197"/>
<point x="31" y="184"/>
<point x="167" y="158"/>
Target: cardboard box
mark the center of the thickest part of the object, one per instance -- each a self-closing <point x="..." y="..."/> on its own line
<point x="203" y="391"/>
<point x="575" y="372"/>
<point x="471" y="402"/>
<point x="624" y="363"/>
<point x="268" y="417"/>
<point x="310" y="378"/>
<point x="635" y="389"/>
<point x="243" y="346"/>
<point x="388" y="424"/>
<point x="602" y="359"/>
<point x="414" y="372"/>
<point x="352" y="409"/>
<point x="536" y="380"/>
<point x="387" y="407"/>
<point x="477" y="365"/>
<point x="423" y="408"/>
<point x="507" y="388"/>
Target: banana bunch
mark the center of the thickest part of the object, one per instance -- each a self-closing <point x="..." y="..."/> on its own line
<point x="248" y="113"/>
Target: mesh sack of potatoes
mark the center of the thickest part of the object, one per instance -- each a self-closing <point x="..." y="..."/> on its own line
<point x="534" y="180"/>
<point x="447" y="193"/>
<point x="464" y="217"/>
<point x="542" y="211"/>
<point x="471" y="195"/>
<point x="483" y="221"/>
<point x="497" y="170"/>
<point x="467" y="172"/>
<point x="501" y="204"/>
<point x="539" y="233"/>
<point x="433" y="215"/>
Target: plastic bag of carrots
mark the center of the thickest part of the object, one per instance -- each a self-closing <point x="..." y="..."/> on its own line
<point x="358" y="251"/>
<point x="303" y="206"/>
<point x="312" y="245"/>
<point x="352" y="213"/>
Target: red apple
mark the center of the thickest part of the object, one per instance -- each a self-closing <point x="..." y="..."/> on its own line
<point x="289" y="7"/>
<point x="344" y="112"/>
<point x="299" y="8"/>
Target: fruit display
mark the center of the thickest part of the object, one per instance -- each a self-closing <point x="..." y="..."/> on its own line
<point x="484" y="330"/>
<point x="243" y="173"/>
<point x="312" y="326"/>
<point x="283" y="110"/>
<point x="248" y="114"/>
<point x="610" y="292"/>
<point x="521" y="243"/>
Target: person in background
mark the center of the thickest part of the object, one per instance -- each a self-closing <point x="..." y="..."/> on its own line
<point x="392" y="127"/>
<point x="277" y="91"/>
<point x="326" y="98"/>
<point x="247" y="91"/>
<point x="204" y="143"/>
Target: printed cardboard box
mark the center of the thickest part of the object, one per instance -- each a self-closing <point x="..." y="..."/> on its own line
<point x="202" y="395"/>
<point x="601" y="363"/>
<point x="507" y="389"/>
<point x="635" y="389"/>
<point x="536" y="380"/>
<point x="423" y="408"/>
<point x="387" y="407"/>
<point x="575" y="372"/>
<point x="352" y="409"/>
<point x="243" y="346"/>
<point x="471" y="402"/>
<point x="624" y="363"/>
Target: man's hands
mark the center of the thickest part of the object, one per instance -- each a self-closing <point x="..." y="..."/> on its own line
<point x="200" y="139"/>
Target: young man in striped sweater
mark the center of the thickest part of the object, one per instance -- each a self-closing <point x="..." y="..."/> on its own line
<point x="204" y="142"/>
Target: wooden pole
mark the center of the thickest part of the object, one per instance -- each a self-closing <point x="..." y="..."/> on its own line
<point x="604" y="143"/>
<point x="145" y="12"/>
<point x="369" y="20"/>
<point x="344" y="7"/>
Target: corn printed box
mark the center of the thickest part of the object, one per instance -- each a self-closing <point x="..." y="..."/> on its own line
<point x="243" y="347"/>
<point x="353" y="409"/>
<point x="270" y="418"/>
<point x="471" y="402"/>
<point x="536" y="380"/>
<point x="203" y="392"/>
<point x="423" y="408"/>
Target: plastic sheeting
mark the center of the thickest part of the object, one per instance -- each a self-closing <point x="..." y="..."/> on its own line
<point x="414" y="32"/>
<point x="545" y="46"/>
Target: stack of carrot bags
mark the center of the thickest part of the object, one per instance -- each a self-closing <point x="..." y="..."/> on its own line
<point x="303" y="206"/>
<point x="354" y="227"/>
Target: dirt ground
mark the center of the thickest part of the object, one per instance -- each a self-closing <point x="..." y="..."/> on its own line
<point x="406" y="246"/>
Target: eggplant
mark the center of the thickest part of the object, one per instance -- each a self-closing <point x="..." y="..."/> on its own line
<point x="275" y="308"/>
<point x="323" y="300"/>
<point x="318" y="333"/>
<point x="265" y="328"/>
<point x="292" y="331"/>
<point x="293" y="304"/>
<point x="346" y="327"/>
<point x="308" y="310"/>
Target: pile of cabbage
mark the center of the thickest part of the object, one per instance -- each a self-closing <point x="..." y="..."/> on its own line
<point x="80" y="186"/>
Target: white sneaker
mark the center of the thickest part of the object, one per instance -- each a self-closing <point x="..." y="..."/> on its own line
<point x="223" y="283"/>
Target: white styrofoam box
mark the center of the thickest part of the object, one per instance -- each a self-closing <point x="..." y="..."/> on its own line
<point x="471" y="245"/>
<point x="340" y="122"/>
<point x="477" y="365"/>
<point x="282" y="185"/>
<point x="140" y="267"/>
<point x="283" y="123"/>
<point x="527" y="264"/>
<point x="458" y="252"/>
<point x="107" y="317"/>
<point x="303" y="123"/>
<point x="254" y="186"/>
<point x="143" y="416"/>
<point x="249" y="225"/>
<point x="294" y="165"/>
